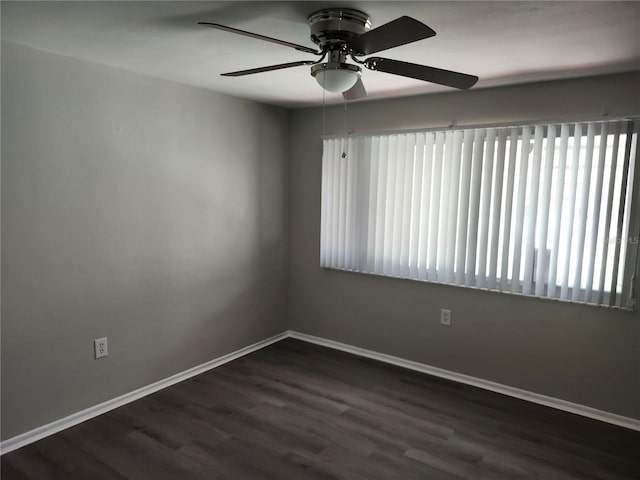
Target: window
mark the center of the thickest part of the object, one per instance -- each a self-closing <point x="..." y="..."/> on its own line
<point x="539" y="210"/>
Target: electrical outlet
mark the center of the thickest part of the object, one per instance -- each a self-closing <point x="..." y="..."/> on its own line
<point x="445" y="317"/>
<point x="100" y="347"/>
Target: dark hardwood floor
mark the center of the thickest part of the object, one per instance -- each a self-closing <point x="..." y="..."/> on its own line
<point x="299" y="411"/>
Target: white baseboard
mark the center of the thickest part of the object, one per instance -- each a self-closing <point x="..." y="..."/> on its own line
<point x="557" y="403"/>
<point x="91" y="412"/>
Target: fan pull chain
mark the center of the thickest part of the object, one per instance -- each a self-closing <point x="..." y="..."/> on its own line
<point x="324" y="113"/>
<point x="344" y="153"/>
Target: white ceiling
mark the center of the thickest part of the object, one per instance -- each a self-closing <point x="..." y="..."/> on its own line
<point x="503" y="43"/>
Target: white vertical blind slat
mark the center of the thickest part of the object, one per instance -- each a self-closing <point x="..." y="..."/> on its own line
<point x="369" y="204"/>
<point x="355" y="223"/>
<point x="434" y="211"/>
<point x="619" y="228"/>
<point x="474" y="207"/>
<point x="392" y="167"/>
<point x="485" y="207"/>
<point x="520" y="208"/>
<point x="630" y="283"/>
<point x="582" y="219"/>
<point x="443" y="267"/>
<point x="342" y="205"/>
<point x="362" y="237"/>
<point x="465" y="181"/>
<point x="531" y="213"/>
<point x="323" y="204"/>
<point x="434" y="247"/>
<point x="335" y="207"/>
<point x="571" y="208"/>
<point x="497" y="209"/>
<point x="541" y="270"/>
<point x="325" y="244"/>
<point x="407" y="199"/>
<point x="595" y="212"/>
<point x="609" y="208"/>
<point x="380" y="147"/>
<point x="427" y="201"/>
<point x="508" y="209"/>
<point x="556" y="211"/>
<point x="396" y="190"/>
<point x="349" y="204"/>
<point x="418" y="206"/>
<point x="629" y="243"/>
<point x="454" y="187"/>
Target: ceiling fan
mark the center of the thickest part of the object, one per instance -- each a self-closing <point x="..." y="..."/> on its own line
<point x="343" y="32"/>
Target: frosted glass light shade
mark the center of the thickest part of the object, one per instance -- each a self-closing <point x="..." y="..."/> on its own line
<point x="336" y="77"/>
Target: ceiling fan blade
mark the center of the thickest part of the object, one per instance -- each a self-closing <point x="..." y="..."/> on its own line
<point x="301" y="48"/>
<point x="398" y="32"/>
<point x="421" y="72"/>
<point x="356" y="92"/>
<point x="280" y="66"/>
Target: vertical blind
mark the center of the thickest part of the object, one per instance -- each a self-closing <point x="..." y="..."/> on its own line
<point x="542" y="210"/>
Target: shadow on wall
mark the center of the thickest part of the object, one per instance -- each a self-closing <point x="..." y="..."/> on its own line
<point x="155" y="216"/>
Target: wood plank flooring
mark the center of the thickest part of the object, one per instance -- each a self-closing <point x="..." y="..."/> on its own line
<point x="299" y="411"/>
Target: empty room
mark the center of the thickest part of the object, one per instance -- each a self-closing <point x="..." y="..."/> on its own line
<point x="320" y="240"/>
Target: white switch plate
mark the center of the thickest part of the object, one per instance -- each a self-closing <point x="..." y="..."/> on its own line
<point x="445" y="317"/>
<point x="100" y="347"/>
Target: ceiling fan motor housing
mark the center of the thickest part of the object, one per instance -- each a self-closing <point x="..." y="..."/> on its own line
<point x="332" y="27"/>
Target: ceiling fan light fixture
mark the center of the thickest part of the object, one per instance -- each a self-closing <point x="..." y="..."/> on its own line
<point x="336" y="77"/>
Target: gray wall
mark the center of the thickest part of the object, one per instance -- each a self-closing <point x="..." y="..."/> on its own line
<point x="142" y="210"/>
<point x="586" y="355"/>
<point x="156" y="214"/>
